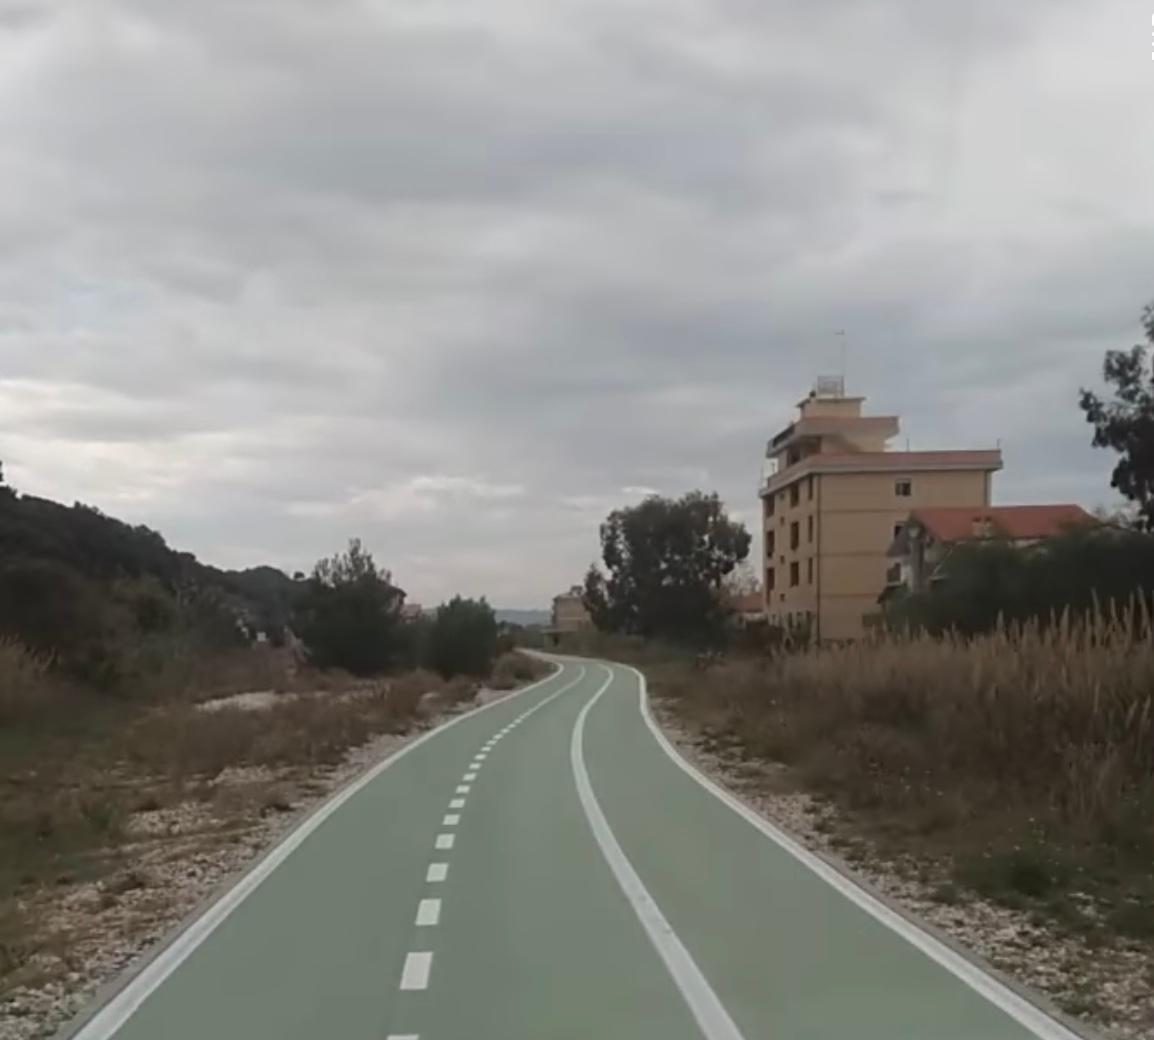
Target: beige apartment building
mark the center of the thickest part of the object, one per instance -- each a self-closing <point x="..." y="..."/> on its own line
<point x="834" y="500"/>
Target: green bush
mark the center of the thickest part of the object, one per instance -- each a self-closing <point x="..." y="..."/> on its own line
<point x="349" y="614"/>
<point x="463" y="638"/>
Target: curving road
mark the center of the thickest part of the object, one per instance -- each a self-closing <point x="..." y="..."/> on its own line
<point x="547" y="868"/>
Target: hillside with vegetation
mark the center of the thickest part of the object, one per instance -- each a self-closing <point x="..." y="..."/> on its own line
<point x="162" y="719"/>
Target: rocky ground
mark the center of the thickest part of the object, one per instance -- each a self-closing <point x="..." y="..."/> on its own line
<point x="1110" y="987"/>
<point x="180" y="855"/>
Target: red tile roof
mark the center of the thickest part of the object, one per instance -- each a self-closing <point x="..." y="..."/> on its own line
<point x="1014" y="522"/>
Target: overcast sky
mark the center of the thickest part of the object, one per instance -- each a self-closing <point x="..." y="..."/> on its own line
<point x="459" y="276"/>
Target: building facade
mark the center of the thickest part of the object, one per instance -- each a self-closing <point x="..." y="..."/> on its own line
<point x="569" y="613"/>
<point x="925" y="538"/>
<point x="833" y="502"/>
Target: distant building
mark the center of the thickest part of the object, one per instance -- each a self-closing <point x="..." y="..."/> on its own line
<point x="412" y="611"/>
<point x="834" y="500"/>
<point x="569" y="613"/>
<point x="748" y="608"/>
<point x="924" y="539"/>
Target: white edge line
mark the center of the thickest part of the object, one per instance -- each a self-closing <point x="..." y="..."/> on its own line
<point x="997" y="993"/>
<point x="703" y="1003"/>
<point x="123" y="1004"/>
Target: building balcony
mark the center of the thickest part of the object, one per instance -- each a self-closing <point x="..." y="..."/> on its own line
<point x="987" y="461"/>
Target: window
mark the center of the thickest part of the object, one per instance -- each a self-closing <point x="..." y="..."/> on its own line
<point x="904" y="488"/>
<point x="809" y="487"/>
<point x="809" y="528"/>
<point x="769" y="505"/>
<point x="809" y="570"/>
<point x="770" y="542"/>
<point x="794" y="535"/>
<point x="795" y="493"/>
<point x="795" y="574"/>
<point x="898" y="529"/>
<point x="770" y="579"/>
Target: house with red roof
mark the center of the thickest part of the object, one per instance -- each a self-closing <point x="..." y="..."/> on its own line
<point x="924" y="539"/>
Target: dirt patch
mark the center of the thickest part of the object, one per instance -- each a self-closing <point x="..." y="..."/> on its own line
<point x="1107" y="981"/>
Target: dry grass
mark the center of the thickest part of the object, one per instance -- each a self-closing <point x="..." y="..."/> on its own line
<point x="1027" y="755"/>
<point x="514" y="669"/>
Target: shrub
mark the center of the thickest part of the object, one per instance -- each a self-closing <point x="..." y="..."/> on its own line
<point x="463" y="638"/>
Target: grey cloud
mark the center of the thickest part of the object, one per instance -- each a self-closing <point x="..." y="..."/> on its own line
<point x="462" y="279"/>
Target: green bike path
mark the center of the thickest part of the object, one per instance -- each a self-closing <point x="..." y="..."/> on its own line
<point x="545" y="868"/>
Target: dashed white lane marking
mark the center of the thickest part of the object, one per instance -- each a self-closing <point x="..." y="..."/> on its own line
<point x="464" y="788"/>
<point x="451" y="820"/>
<point x="437" y="872"/>
<point x="469" y="777"/>
<point x="428" y="913"/>
<point x="445" y="841"/>
<point x="699" y="996"/>
<point x="457" y="803"/>
<point x="482" y="756"/>
<point x="416" y="972"/>
<point x="402" y="1036"/>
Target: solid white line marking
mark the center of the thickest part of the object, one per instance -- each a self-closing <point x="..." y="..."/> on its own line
<point x="457" y="803"/>
<point x="451" y="820"/>
<point x="416" y="971"/>
<point x="703" y="1003"/>
<point x="445" y="841"/>
<point x="470" y="777"/>
<point x="437" y="872"/>
<point x="463" y="788"/>
<point x="1001" y="996"/>
<point x="121" y="1007"/>
<point x="428" y="913"/>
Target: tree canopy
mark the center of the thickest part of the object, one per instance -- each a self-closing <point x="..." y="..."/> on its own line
<point x="349" y="613"/>
<point x="1126" y="423"/>
<point x="666" y="560"/>
<point x="463" y="639"/>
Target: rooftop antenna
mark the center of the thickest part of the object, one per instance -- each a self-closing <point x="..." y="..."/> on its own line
<point x="842" y="341"/>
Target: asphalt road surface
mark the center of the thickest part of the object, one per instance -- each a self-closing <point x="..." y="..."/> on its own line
<point x="547" y="868"/>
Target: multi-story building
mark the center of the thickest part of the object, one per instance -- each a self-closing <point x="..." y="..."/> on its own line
<point x="834" y="500"/>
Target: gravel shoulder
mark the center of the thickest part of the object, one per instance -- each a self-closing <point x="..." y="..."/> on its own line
<point x="1110" y="987"/>
<point x="172" y="860"/>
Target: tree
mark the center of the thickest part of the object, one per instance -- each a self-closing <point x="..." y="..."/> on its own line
<point x="1126" y="424"/>
<point x="666" y="561"/>
<point x="463" y="638"/>
<point x="349" y="613"/>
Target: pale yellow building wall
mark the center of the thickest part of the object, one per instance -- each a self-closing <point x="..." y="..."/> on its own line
<point x="824" y="407"/>
<point x="859" y="512"/>
<point x="854" y="516"/>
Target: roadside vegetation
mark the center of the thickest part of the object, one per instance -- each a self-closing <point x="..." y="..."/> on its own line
<point x="992" y="738"/>
<point x="143" y="720"/>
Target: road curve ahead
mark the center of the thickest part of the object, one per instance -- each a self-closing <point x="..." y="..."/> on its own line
<point x="547" y="868"/>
